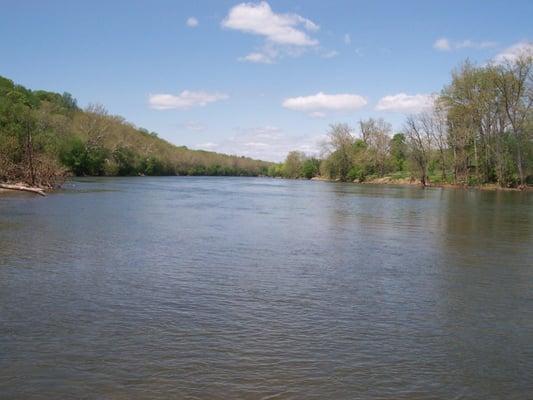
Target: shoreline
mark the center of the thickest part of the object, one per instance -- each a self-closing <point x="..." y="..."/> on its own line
<point x="489" y="187"/>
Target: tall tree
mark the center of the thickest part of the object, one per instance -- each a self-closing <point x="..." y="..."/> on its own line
<point x="515" y="85"/>
<point x="293" y="165"/>
<point x="376" y="135"/>
<point x="419" y="142"/>
<point x="339" y="151"/>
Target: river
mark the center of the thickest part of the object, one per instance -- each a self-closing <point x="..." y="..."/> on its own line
<point x="257" y="288"/>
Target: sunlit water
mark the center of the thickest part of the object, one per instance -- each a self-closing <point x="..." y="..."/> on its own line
<point x="244" y="288"/>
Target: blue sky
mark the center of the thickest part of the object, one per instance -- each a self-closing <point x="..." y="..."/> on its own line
<point x="256" y="78"/>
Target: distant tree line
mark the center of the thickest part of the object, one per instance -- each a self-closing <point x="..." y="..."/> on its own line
<point x="45" y="136"/>
<point x="479" y="131"/>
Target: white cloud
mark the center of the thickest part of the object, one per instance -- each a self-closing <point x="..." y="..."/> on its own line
<point x="192" y="22"/>
<point x="444" y="44"/>
<point x="513" y="52"/>
<point x="184" y="100"/>
<point x="259" y="19"/>
<point x="347" y="39"/>
<point x="405" y="103"/>
<point x="322" y="102"/>
<point x="284" y="34"/>
<point x="265" y="143"/>
<point x="267" y="54"/>
<point x="257" y="57"/>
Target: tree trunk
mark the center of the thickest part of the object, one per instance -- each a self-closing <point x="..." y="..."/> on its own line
<point x="476" y="159"/>
<point x="38" y="191"/>
<point x="520" y="166"/>
<point x="454" y="165"/>
<point x="30" y="156"/>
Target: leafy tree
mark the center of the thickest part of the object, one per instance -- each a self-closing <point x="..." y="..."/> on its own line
<point x="339" y="150"/>
<point x="292" y="168"/>
<point x="398" y="151"/>
<point x="376" y="135"/>
<point x="310" y="167"/>
<point x="275" y="170"/>
<point x="126" y="160"/>
<point x="82" y="159"/>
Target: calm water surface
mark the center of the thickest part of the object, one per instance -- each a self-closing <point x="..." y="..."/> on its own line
<point x="244" y="288"/>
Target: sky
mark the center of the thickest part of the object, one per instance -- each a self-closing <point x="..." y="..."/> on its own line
<point x="255" y="78"/>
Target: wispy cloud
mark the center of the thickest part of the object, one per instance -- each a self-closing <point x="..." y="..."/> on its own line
<point x="282" y="32"/>
<point x="512" y="53"/>
<point x="405" y="103"/>
<point x="256" y="57"/>
<point x="265" y="143"/>
<point x="184" y="100"/>
<point x="318" y="104"/>
<point x="195" y="126"/>
<point x="330" y="54"/>
<point x="445" y="44"/>
<point x="469" y="44"/>
<point x="442" y="44"/>
<point x="192" y="22"/>
<point x="347" y="39"/>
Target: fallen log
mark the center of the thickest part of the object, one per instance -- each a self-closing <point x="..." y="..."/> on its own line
<point x="38" y="191"/>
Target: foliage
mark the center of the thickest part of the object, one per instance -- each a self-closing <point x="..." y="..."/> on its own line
<point x="292" y="167"/>
<point x="45" y="135"/>
<point x="310" y="167"/>
<point x="480" y="130"/>
<point x="83" y="159"/>
<point x="398" y="152"/>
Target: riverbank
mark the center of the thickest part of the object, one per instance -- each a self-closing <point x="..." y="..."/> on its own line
<point x="387" y="180"/>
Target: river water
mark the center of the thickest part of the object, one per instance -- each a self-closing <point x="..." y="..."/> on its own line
<point x="256" y="288"/>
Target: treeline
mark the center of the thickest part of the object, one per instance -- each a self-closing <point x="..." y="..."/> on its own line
<point x="479" y="131"/>
<point x="45" y="136"/>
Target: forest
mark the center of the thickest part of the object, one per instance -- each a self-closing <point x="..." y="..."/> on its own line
<point x="478" y="131"/>
<point x="45" y="137"/>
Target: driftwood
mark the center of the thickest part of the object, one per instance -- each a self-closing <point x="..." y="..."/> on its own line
<point x="38" y="191"/>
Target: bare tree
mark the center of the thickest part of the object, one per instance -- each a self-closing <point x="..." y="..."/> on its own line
<point x="94" y="123"/>
<point x="434" y="124"/>
<point x="419" y="141"/>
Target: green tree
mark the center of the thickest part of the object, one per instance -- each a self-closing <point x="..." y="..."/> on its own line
<point x="83" y="159"/>
<point x="339" y="150"/>
<point x="126" y="160"/>
<point x="292" y="167"/>
<point x="310" y="167"/>
<point x="398" y="151"/>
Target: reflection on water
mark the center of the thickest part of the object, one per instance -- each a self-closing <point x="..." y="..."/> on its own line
<point x="216" y="288"/>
